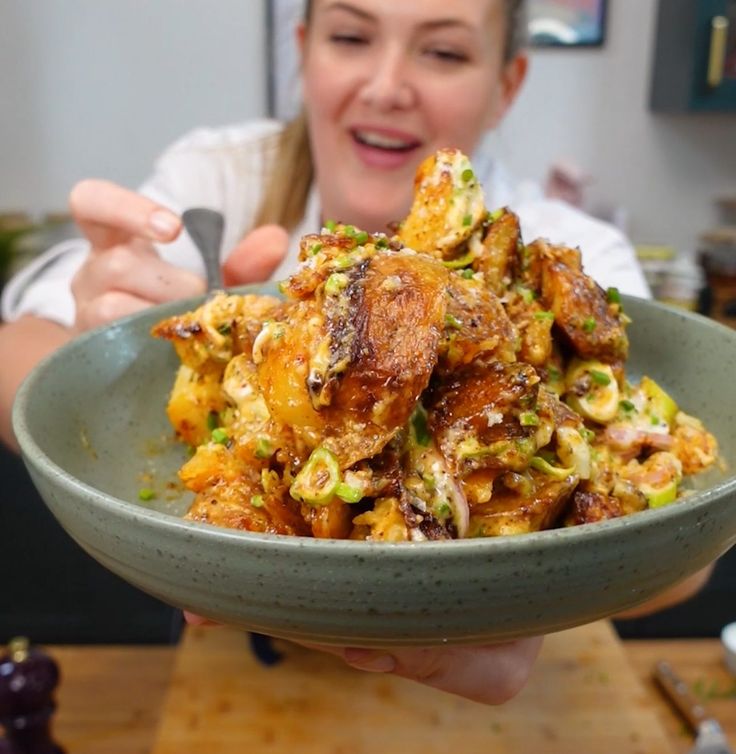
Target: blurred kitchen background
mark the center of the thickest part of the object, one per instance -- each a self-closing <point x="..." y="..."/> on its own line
<point x="99" y="87"/>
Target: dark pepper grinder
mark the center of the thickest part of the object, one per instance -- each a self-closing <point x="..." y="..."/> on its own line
<point x="28" y="678"/>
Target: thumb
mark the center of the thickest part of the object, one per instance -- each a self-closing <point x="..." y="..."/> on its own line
<point x="255" y="258"/>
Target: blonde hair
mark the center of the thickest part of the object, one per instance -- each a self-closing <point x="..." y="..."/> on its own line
<point x="287" y="185"/>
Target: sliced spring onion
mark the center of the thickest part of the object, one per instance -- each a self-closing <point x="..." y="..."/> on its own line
<point x="349" y="494"/>
<point x="318" y="480"/>
<point x="257" y="501"/>
<point x="556" y="472"/>
<point x="220" y="436"/>
<point x="528" y="419"/>
<point x="456" y="264"/>
<point x="146" y="493"/>
<point x="263" y="448"/>
<point x="420" y="427"/>
<point x="452" y="321"/>
<point x="337" y="282"/>
<point x="589" y="324"/>
<point x="600" y="378"/>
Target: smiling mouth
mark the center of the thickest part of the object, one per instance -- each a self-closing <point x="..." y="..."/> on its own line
<point x="382" y="141"/>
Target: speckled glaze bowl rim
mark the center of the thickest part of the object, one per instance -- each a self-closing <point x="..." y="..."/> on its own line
<point x="696" y="501"/>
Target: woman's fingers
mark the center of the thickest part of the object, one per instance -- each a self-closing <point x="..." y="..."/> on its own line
<point x="256" y="257"/>
<point x="137" y="269"/>
<point x="109" y="215"/>
<point x="125" y="279"/>
<point x="490" y="675"/>
<point x="105" y="308"/>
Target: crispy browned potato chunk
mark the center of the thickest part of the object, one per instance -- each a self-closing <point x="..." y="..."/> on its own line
<point x="358" y="362"/>
<point x="448" y="205"/>
<point x="476" y="417"/>
<point x="500" y="256"/>
<point x="208" y="337"/>
<point x="507" y="512"/>
<point x="589" y="507"/>
<point x="582" y="312"/>
<point x="230" y="494"/>
<point x="476" y="327"/>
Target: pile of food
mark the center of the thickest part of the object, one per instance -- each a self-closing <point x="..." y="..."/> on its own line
<point x="448" y="381"/>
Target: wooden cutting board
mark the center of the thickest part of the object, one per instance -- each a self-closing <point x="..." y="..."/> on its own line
<point x="583" y="697"/>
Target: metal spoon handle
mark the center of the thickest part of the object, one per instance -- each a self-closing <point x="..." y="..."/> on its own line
<point x="205" y="226"/>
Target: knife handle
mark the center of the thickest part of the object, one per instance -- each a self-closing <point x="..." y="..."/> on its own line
<point x="678" y="692"/>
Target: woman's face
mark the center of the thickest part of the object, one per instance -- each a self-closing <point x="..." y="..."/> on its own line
<point x="388" y="82"/>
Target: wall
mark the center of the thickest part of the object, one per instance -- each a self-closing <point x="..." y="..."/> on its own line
<point x="99" y="87"/>
<point x="590" y="105"/>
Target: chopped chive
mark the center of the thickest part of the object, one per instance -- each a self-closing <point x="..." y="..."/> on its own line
<point x="349" y="230"/>
<point x="467" y="273"/>
<point x="213" y="420"/>
<point x="220" y="436"/>
<point x="257" y="501"/>
<point x="600" y="378"/>
<point x="382" y="243"/>
<point x="589" y="324"/>
<point x="496" y="215"/>
<point x="361" y="238"/>
<point x="146" y="493"/>
<point x="654" y="419"/>
<point x="315" y="249"/>
<point x="331" y="225"/>
<point x="627" y="405"/>
<point x="224" y="329"/>
<point x="467" y="220"/>
<point x="613" y="296"/>
<point x="468" y="175"/>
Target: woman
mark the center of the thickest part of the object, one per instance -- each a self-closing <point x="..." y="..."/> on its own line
<point x="385" y="84"/>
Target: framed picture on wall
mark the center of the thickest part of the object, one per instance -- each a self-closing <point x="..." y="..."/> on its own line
<point x="567" y="23"/>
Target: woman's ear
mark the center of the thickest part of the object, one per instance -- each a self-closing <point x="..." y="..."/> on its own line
<point x="512" y="78"/>
<point x="301" y="41"/>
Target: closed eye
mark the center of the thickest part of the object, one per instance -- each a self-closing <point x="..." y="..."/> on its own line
<point x="348" y="39"/>
<point x="446" y="56"/>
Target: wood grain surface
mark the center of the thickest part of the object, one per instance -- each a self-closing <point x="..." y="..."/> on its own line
<point x="583" y="697"/>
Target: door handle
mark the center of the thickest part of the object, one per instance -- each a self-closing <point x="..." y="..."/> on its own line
<point x="717" y="54"/>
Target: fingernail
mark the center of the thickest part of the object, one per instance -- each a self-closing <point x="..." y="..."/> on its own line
<point x="163" y="222"/>
<point x="370" y="660"/>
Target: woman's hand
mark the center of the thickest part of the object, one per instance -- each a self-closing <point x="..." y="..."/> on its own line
<point x="123" y="273"/>
<point x="488" y="674"/>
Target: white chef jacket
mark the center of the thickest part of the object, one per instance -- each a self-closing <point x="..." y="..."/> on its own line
<point x="225" y="169"/>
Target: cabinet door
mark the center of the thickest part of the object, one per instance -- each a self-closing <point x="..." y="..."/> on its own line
<point x="714" y="84"/>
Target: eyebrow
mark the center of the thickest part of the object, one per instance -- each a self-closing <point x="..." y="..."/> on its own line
<point x="432" y="24"/>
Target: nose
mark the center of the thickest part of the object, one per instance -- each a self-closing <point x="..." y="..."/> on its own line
<point x="388" y="85"/>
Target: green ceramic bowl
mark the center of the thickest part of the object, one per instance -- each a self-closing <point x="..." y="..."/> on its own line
<point x="90" y="421"/>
